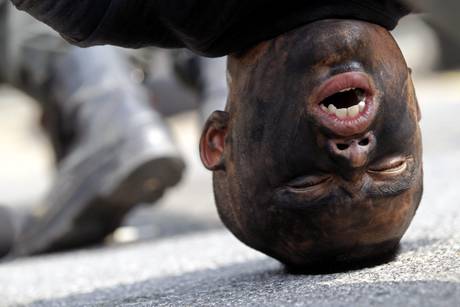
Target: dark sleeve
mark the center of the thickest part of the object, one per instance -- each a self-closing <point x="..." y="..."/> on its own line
<point x="208" y="27"/>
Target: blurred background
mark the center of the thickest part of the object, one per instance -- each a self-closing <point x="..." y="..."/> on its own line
<point x="27" y="168"/>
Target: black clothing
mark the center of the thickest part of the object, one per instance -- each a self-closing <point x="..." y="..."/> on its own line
<point x="208" y="27"/>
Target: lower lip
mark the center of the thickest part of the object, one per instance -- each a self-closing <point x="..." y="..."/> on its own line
<point x="350" y="125"/>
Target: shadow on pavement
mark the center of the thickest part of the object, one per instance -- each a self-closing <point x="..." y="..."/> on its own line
<point x="266" y="283"/>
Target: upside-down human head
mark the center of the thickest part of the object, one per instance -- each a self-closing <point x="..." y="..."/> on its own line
<point x="317" y="157"/>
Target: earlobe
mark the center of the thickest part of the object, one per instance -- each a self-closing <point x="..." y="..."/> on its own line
<point x="212" y="142"/>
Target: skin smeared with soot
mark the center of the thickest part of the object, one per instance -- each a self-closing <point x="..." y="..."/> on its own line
<point x="296" y="177"/>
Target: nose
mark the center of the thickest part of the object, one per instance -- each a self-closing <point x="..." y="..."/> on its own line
<point x="354" y="152"/>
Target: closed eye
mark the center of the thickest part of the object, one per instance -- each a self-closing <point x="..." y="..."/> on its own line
<point x="390" y="167"/>
<point x="306" y="192"/>
<point x="393" y="176"/>
<point x="307" y="182"/>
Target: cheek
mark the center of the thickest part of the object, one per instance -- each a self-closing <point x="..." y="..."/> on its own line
<point x="397" y="131"/>
<point x="264" y="148"/>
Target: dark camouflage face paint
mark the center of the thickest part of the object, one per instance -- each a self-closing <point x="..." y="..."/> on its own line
<point x="317" y="158"/>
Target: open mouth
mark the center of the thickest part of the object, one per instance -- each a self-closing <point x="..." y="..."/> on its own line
<point x="349" y="103"/>
<point x="345" y="103"/>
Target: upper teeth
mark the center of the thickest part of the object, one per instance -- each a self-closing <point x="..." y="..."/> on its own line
<point x="345" y="112"/>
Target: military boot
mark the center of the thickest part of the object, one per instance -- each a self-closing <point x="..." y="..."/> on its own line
<point x="113" y="150"/>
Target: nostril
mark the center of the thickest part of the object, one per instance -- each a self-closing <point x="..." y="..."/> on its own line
<point x="364" y="142"/>
<point x="352" y="152"/>
<point x="342" y="146"/>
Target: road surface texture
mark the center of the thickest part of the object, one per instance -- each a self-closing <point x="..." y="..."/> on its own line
<point x="182" y="256"/>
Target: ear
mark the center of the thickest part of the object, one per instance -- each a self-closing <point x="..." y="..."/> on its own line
<point x="414" y="96"/>
<point x="212" y="141"/>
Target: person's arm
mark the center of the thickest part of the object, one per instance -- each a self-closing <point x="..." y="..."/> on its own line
<point x="75" y="20"/>
<point x="134" y="23"/>
<point x="208" y="27"/>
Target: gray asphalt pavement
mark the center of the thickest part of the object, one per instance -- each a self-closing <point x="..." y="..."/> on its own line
<point x="188" y="259"/>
